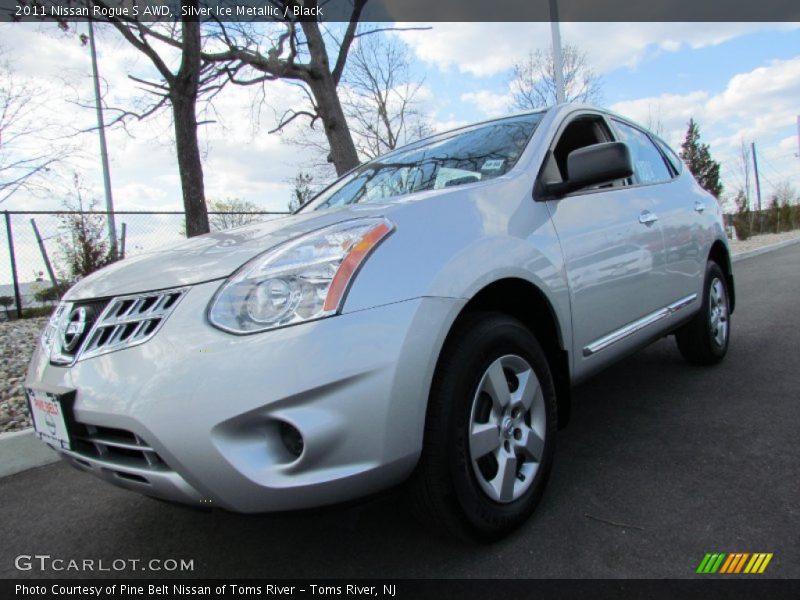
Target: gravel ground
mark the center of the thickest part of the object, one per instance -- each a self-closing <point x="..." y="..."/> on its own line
<point x="17" y="340"/>
<point x="760" y="241"/>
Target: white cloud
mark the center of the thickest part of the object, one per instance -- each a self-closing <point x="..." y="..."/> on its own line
<point x="668" y="113"/>
<point x="741" y="106"/>
<point x="759" y="105"/>
<point x="485" y="49"/>
<point x="448" y="124"/>
<point x="790" y="144"/>
<point x="489" y="102"/>
<point x="240" y="158"/>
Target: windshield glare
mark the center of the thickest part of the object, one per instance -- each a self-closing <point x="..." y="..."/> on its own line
<point x="475" y="154"/>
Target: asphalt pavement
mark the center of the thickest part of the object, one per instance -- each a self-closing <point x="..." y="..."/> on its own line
<point x="661" y="463"/>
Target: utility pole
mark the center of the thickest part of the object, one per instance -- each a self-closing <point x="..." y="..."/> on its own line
<point x="755" y="170"/>
<point x="798" y="136"/>
<point x="112" y="228"/>
<point x="558" y="63"/>
<point x="758" y="188"/>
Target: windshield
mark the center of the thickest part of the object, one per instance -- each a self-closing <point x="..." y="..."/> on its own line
<point x="475" y="154"/>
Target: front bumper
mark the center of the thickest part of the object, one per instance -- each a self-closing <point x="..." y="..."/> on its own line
<point x="193" y="415"/>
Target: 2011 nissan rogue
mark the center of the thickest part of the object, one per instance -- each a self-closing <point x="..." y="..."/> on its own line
<point x="421" y="319"/>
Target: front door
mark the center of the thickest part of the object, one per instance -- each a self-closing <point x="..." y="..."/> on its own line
<point x="612" y="246"/>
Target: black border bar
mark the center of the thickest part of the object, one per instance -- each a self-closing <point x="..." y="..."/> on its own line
<point x="412" y="589"/>
<point x="480" y="11"/>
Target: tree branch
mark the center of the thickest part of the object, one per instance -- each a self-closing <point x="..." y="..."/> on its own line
<point x="347" y="40"/>
<point x="292" y="115"/>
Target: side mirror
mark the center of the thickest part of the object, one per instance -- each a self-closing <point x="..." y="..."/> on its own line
<point x="594" y="165"/>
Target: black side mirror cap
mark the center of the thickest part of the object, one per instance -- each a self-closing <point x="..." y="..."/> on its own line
<point x="593" y="165"/>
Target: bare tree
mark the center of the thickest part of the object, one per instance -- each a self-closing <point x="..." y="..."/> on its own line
<point x="302" y="190"/>
<point x="180" y="88"/>
<point x="654" y="122"/>
<point x="27" y="155"/>
<point x="231" y="212"/>
<point x="84" y="244"/>
<point x="299" y="52"/>
<point x="533" y="84"/>
<point x="381" y="97"/>
<point x="744" y="166"/>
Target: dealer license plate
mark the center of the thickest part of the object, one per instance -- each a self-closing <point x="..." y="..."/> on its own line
<point x="49" y="421"/>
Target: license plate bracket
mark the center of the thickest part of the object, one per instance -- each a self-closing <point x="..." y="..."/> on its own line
<point x="51" y="414"/>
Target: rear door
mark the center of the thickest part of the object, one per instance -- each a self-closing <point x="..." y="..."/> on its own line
<point x="612" y="246"/>
<point x="677" y="207"/>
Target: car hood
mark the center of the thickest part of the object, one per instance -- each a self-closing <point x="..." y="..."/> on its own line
<point x="206" y="257"/>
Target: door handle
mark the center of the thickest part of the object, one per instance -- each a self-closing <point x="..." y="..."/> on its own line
<point x="699" y="206"/>
<point x="647" y="218"/>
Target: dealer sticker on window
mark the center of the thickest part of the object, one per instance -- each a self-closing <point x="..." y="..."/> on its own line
<point x="493" y="164"/>
<point x="47" y="414"/>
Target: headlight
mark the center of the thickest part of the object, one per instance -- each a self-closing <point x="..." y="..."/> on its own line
<point x="300" y="280"/>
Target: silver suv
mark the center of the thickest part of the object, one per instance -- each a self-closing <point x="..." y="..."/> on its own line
<point x="422" y="320"/>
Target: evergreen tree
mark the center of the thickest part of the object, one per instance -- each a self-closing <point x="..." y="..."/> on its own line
<point x="697" y="157"/>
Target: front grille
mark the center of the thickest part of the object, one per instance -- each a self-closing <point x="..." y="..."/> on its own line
<point x="86" y="329"/>
<point x="129" y="321"/>
<point x="116" y="446"/>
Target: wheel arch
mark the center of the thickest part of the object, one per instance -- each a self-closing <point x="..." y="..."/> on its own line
<point x="719" y="254"/>
<point x="526" y="302"/>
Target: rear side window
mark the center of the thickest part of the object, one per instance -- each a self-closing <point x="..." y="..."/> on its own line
<point x="673" y="159"/>
<point x="648" y="164"/>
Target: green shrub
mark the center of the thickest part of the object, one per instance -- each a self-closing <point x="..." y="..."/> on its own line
<point x="742" y="218"/>
<point x="741" y="224"/>
<point x="37" y="311"/>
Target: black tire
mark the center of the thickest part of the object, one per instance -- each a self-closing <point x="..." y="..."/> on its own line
<point x="445" y="491"/>
<point x="699" y="340"/>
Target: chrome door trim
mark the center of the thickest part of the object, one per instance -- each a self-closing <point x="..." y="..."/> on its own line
<point x="638" y="325"/>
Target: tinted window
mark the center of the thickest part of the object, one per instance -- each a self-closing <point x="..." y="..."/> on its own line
<point x="648" y="164"/>
<point x="673" y="159"/>
<point x="466" y="156"/>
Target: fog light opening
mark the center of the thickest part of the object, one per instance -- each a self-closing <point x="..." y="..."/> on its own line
<point x="291" y="438"/>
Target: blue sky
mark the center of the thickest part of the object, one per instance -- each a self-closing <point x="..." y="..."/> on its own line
<point x="740" y="81"/>
<point x="713" y="66"/>
<point x="669" y="70"/>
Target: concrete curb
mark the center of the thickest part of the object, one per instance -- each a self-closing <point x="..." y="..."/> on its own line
<point x="765" y="249"/>
<point x="20" y="450"/>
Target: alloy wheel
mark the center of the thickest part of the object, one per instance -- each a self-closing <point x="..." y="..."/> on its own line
<point x="507" y="429"/>
<point x="718" y="312"/>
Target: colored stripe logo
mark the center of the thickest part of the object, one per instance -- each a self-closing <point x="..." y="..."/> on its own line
<point x="734" y="563"/>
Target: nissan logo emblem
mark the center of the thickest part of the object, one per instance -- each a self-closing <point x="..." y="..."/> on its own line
<point x="75" y="327"/>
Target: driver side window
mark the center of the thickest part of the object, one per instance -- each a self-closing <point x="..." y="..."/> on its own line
<point x="582" y="131"/>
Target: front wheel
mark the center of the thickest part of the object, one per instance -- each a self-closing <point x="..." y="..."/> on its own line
<point x="490" y="430"/>
<point x="704" y="339"/>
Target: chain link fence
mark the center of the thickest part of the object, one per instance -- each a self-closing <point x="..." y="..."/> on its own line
<point x="36" y="248"/>
<point x="35" y="245"/>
